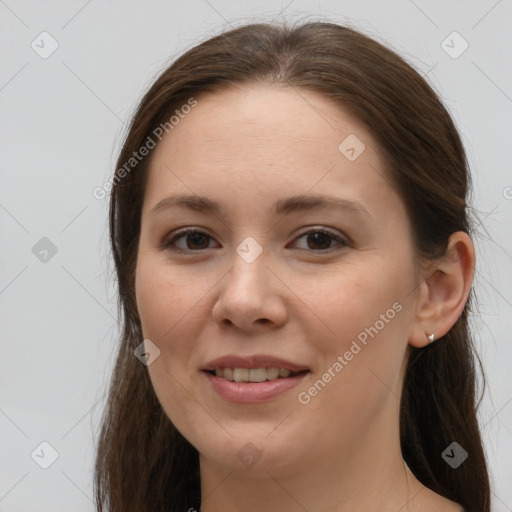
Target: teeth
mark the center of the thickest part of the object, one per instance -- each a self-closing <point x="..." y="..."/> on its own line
<point x="240" y="374"/>
<point x="253" y="374"/>
<point x="272" y="373"/>
<point x="257" y="375"/>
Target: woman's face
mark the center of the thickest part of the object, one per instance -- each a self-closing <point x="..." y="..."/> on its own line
<point x="324" y="287"/>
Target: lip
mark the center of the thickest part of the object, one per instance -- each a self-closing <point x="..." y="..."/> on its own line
<point x="252" y="392"/>
<point x="254" y="361"/>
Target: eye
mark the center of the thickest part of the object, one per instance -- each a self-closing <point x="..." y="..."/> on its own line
<point x="321" y="239"/>
<point x="195" y="240"/>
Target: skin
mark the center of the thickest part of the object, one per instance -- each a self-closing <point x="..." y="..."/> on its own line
<point x="247" y="148"/>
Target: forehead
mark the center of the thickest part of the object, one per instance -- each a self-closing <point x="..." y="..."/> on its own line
<point x="251" y="144"/>
<point x="267" y="120"/>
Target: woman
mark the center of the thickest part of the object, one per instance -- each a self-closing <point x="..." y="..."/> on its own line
<point x="290" y="232"/>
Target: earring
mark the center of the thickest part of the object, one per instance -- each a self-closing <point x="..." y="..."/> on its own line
<point x="431" y="337"/>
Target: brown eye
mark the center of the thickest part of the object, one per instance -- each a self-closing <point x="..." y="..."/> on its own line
<point x="317" y="240"/>
<point x="195" y="240"/>
<point x="321" y="240"/>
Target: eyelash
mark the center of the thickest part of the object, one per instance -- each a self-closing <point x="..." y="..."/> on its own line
<point x="169" y="243"/>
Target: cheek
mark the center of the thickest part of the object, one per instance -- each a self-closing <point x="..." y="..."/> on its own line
<point x="360" y="362"/>
<point x="354" y="301"/>
<point x="165" y="315"/>
<point x="166" y="312"/>
<point x="163" y="298"/>
<point x="364" y="317"/>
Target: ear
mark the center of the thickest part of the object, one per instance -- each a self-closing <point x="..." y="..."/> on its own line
<point x="444" y="291"/>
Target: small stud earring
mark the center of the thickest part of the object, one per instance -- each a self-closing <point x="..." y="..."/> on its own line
<point x="431" y="337"/>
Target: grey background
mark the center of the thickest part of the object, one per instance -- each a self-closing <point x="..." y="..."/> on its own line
<point x="61" y="123"/>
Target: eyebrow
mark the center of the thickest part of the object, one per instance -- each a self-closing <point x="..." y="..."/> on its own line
<point x="282" y="206"/>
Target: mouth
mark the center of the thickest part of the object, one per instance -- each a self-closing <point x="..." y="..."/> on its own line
<point x="254" y="385"/>
<point x="254" y="375"/>
<point x="253" y="378"/>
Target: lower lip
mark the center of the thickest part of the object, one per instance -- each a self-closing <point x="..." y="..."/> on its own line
<point x="252" y="392"/>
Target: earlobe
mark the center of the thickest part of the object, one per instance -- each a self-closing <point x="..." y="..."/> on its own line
<point x="445" y="291"/>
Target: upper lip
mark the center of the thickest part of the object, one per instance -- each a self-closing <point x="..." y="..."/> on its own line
<point x="254" y="361"/>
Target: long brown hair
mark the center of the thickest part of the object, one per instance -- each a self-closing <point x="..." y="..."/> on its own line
<point x="142" y="462"/>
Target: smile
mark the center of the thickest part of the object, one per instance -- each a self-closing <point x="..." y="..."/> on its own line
<point x="248" y="391"/>
<point x="253" y="374"/>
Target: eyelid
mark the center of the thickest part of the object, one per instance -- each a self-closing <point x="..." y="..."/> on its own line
<point x="336" y="234"/>
<point x="342" y="239"/>
<point x="169" y="240"/>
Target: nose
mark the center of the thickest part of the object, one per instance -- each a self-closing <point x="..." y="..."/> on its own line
<point x="250" y="297"/>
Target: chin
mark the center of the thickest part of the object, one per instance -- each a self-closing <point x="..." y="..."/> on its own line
<point x="255" y="455"/>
